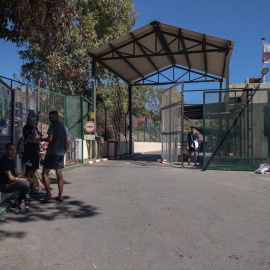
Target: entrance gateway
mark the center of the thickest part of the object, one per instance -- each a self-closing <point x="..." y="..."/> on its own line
<point x="172" y="113"/>
<point x="162" y="54"/>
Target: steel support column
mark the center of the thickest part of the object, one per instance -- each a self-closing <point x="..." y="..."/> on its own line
<point x="93" y="95"/>
<point x="182" y="125"/>
<point x="13" y="112"/>
<point x="82" y="124"/>
<point x="227" y="70"/>
<point x="130" y="118"/>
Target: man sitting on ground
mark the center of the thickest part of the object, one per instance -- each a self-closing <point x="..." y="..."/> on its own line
<point x="10" y="179"/>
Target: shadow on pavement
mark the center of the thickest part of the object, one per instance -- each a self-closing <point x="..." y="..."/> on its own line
<point x="52" y="210"/>
<point x="68" y="209"/>
<point x="150" y="160"/>
<point x="5" y="234"/>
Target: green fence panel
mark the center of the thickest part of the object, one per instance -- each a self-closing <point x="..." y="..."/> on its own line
<point x="73" y="110"/>
<point x="73" y="116"/>
<point x="246" y="146"/>
<point x="146" y="131"/>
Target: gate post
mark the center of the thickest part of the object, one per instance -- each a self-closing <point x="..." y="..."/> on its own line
<point x="182" y="125"/>
<point x="94" y="101"/>
<point x="130" y="117"/>
<point x="13" y="99"/>
<point x="268" y="92"/>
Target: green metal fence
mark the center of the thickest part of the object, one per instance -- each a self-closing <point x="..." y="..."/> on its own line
<point x="146" y="131"/>
<point x="19" y="98"/>
<point x="246" y="146"/>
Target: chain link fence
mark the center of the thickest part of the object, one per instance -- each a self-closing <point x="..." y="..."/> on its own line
<point x="18" y="98"/>
<point x="144" y="130"/>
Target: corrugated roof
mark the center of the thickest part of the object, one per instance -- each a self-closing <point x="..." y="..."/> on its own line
<point x="156" y="46"/>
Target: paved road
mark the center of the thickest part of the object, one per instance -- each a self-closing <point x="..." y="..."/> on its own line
<point x="137" y="214"/>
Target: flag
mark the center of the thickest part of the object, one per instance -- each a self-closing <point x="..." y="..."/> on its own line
<point x="266" y="52"/>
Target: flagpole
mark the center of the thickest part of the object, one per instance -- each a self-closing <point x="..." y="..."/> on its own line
<point x="263" y="80"/>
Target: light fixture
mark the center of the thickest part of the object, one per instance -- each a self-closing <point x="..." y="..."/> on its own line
<point x="265" y="71"/>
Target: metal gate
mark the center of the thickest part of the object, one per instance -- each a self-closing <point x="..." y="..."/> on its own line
<point x="173" y="123"/>
<point x="236" y="129"/>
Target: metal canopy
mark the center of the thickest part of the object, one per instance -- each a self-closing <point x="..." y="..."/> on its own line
<point x="160" y="54"/>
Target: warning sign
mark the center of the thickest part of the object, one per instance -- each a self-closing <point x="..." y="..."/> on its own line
<point x="89" y="127"/>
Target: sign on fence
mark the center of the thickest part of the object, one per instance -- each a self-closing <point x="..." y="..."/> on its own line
<point x="89" y="126"/>
<point x="89" y="137"/>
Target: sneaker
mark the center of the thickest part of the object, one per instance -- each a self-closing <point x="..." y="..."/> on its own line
<point x="22" y="207"/>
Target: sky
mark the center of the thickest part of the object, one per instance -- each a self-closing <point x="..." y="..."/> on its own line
<point x="243" y="21"/>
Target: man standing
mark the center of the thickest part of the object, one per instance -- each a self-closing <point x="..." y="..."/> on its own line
<point x="31" y="152"/>
<point x="192" y="144"/>
<point x="59" y="142"/>
<point x="10" y="179"/>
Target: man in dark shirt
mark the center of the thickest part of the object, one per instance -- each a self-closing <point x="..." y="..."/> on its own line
<point x="32" y="149"/>
<point x="10" y="179"/>
<point x="31" y="152"/>
<point x="192" y="144"/>
<point x="59" y="142"/>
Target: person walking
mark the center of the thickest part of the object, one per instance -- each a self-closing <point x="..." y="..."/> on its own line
<point x="59" y="142"/>
<point x="192" y="144"/>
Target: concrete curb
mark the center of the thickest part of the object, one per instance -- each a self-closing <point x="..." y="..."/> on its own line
<point x="6" y="204"/>
<point x="95" y="161"/>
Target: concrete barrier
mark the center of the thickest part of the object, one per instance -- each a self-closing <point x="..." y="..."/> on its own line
<point x="4" y="196"/>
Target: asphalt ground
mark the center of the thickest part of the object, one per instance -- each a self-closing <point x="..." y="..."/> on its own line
<point x="137" y="214"/>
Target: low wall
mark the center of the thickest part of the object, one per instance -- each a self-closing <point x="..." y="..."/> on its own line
<point x="123" y="148"/>
<point x="142" y="147"/>
<point x="108" y="149"/>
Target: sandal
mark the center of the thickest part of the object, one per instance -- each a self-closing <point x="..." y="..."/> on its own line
<point x="46" y="199"/>
<point x="20" y="205"/>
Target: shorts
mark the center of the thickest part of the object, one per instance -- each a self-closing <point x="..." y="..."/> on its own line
<point x="191" y="149"/>
<point x="53" y="162"/>
<point x="31" y="161"/>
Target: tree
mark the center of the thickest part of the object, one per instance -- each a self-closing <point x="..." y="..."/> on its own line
<point x="26" y="21"/>
<point x="68" y="63"/>
<point x="59" y="34"/>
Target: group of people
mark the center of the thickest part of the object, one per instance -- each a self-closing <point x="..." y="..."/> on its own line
<point x="59" y="142"/>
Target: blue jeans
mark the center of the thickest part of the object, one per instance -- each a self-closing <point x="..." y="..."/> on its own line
<point x="14" y="186"/>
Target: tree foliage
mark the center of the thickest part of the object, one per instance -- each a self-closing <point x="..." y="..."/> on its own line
<point x="29" y="20"/>
<point x="58" y="36"/>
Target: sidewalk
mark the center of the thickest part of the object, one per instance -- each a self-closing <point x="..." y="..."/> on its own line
<point x="6" y="205"/>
